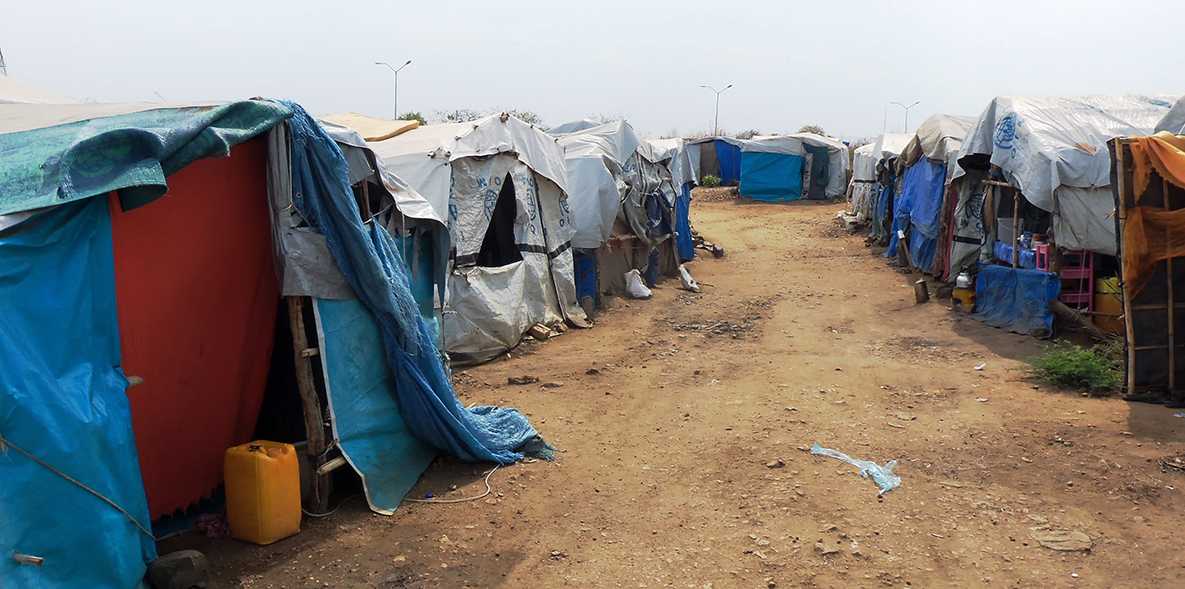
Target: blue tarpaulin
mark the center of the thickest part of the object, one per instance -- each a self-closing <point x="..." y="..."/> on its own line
<point x="62" y="399"/>
<point x="683" y="242"/>
<point x="370" y="262"/>
<point x="771" y="177"/>
<point x="917" y="211"/>
<point x="585" y="265"/>
<point x="1016" y="299"/>
<point x="729" y="157"/>
<point x="367" y="422"/>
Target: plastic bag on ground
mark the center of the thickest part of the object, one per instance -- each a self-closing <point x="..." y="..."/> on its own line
<point x="882" y="475"/>
<point x="634" y="287"/>
<point x="689" y="283"/>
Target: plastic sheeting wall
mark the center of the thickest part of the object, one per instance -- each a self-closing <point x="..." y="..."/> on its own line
<point x="367" y="422"/>
<point x="197" y="295"/>
<point x="771" y="177"/>
<point x="1016" y="299"/>
<point x="728" y="157"/>
<point x="62" y="399"/>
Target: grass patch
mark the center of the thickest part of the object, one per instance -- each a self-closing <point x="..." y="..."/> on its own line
<point x="1094" y="370"/>
<point x="710" y="181"/>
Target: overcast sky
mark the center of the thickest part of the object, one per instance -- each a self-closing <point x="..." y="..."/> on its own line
<point x="834" y="63"/>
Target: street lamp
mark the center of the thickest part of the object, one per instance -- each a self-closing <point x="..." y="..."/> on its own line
<point x="716" y="123"/>
<point x="395" y="71"/>
<point x="915" y="103"/>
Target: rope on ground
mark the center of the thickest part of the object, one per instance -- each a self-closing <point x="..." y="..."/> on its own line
<point x="6" y="443"/>
<point x="462" y="499"/>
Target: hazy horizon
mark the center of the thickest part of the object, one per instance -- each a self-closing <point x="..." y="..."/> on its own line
<point x="835" y="65"/>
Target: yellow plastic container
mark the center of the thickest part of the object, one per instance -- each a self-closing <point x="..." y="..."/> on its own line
<point x="962" y="299"/>
<point x="262" y="491"/>
<point x="1108" y="305"/>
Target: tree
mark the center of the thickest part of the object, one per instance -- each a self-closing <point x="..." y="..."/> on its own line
<point x="413" y="115"/>
<point x="751" y="133"/>
<point x="460" y="115"/>
<point x="816" y="129"/>
<point x="528" y="117"/>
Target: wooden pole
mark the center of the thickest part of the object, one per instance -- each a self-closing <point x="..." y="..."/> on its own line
<point x="314" y="421"/>
<point x="1168" y="269"/>
<point x="1122" y="186"/>
<point x="1015" y="228"/>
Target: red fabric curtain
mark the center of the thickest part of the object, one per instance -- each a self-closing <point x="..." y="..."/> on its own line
<point x="197" y="297"/>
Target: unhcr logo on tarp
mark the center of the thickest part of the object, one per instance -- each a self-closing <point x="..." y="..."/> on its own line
<point x="1006" y="132"/>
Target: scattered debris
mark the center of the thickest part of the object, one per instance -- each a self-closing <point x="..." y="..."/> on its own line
<point x="825" y="549"/>
<point x="981" y="399"/>
<point x="981" y="366"/>
<point x="540" y="332"/>
<point x="686" y="281"/>
<point x="521" y="380"/>
<point x="635" y="287"/>
<point x="592" y="371"/>
<point x="558" y="555"/>
<point x="552" y="385"/>
<point x="1173" y="464"/>
<point x="1061" y="540"/>
<point x="777" y="463"/>
<point x="882" y="475"/>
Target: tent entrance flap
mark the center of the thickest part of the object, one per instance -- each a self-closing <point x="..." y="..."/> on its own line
<point x="498" y="247"/>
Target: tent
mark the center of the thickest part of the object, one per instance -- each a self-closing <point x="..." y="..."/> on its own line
<point x="925" y="166"/>
<point x="501" y="185"/>
<point x="886" y="150"/>
<point x="596" y="156"/>
<point x="718" y="156"/>
<point x="1053" y="150"/>
<point x="863" y="182"/>
<point x="781" y="168"/>
<point x="142" y="277"/>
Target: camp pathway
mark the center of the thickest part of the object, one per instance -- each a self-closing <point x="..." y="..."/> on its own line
<point x="683" y="424"/>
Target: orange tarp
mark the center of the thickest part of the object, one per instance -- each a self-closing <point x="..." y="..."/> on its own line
<point x="1150" y="234"/>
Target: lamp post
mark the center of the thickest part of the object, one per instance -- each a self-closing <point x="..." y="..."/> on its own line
<point x="915" y="103"/>
<point x="395" y="71"/>
<point x="716" y="122"/>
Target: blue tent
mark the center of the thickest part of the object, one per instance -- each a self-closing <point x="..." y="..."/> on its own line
<point x="771" y="177"/>
<point x="728" y="155"/>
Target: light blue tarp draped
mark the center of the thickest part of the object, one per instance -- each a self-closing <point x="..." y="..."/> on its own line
<point x="771" y="177"/>
<point x="1016" y="299"/>
<point x="683" y="242"/>
<point x="371" y="263"/>
<point x="367" y="422"/>
<point x="62" y="398"/>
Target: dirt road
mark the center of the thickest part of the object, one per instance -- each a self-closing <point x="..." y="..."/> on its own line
<point x="673" y="414"/>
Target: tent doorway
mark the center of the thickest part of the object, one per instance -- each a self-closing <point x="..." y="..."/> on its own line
<point x="498" y="247"/>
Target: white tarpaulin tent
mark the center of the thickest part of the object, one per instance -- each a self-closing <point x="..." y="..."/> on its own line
<point x="863" y="180"/>
<point x="501" y="185"/>
<point x="595" y="155"/>
<point x="1054" y="150"/>
<point x="940" y="138"/>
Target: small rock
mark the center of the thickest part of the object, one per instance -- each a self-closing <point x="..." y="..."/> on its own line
<point x="777" y="463"/>
<point x="592" y="372"/>
<point x="825" y="550"/>
<point x="521" y="380"/>
<point x="552" y="385"/>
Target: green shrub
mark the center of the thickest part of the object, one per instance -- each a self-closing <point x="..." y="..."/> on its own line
<point x="710" y="181"/>
<point x="1095" y="369"/>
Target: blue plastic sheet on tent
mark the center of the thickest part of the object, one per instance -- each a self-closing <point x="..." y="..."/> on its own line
<point x="366" y="419"/>
<point x="924" y="183"/>
<point x="771" y="177"/>
<point x="370" y="262"/>
<point x="423" y="277"/>
<point x="683" y="242"/>
<point x="585" y="263"/>
<point x="729" y="158"/>
<point x="62" y="398"/>
<point x="921" y="251"/>
<point x="902" y="205"/>
<point x="1016" y="299"/>
<point x="882" y="209"/>
<point x="1003" y="252"/>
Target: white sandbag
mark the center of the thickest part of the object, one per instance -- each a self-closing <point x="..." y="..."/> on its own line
<point x="689" y="283"/>
<point x="634" y="286"/>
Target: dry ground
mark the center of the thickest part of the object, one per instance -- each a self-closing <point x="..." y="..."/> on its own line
<point x="800" y="335"/>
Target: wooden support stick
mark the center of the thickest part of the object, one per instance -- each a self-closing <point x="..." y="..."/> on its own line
<point x="1122" y="186"/>
<point x="1065" y="312"/>
<point x="314" y="421"/>
<point x="1015" y="228"/>
<point x="1168" y="269"/>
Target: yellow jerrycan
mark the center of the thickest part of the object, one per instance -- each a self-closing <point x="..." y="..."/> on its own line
<point x="262" y="491"/>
